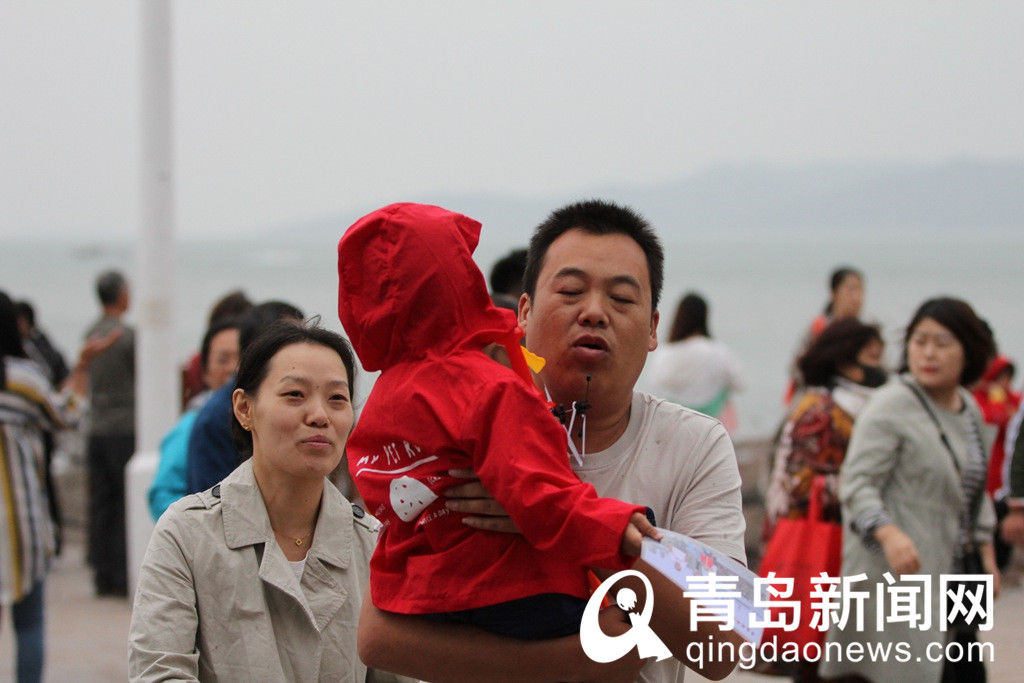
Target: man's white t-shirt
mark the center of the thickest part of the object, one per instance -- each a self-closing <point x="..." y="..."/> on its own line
<point x="682" y="465"/>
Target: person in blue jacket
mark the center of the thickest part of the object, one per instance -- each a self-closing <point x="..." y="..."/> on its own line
<point x="218" y="356"/>
<point x="211" y="452"/>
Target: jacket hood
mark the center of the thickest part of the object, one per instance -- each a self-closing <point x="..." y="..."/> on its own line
<point x="408" y="286"/>
<point x="998" y="364"/>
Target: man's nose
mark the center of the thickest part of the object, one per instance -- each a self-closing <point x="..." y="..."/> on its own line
<point x="592" y="311"/>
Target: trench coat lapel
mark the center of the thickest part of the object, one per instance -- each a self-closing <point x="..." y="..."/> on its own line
<point x="246" y="524"/>
<point x="330" y="553"/>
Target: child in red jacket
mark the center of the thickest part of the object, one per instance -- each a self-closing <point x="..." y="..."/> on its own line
<point x="415" y="307"/>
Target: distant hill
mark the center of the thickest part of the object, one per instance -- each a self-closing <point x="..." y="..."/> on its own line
<point x="950" y="197"/>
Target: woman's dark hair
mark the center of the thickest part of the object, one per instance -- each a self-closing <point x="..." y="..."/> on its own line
<point x="234" y="304"/>
<point x="212" y="331"/>
<point x="836" y="346"/>
<point x="255" y="363"/>
<point x="958" y="317"/>
<point x="837" y="278"/>
<point x="10" y="337"/>
<point x="691" y="318"/>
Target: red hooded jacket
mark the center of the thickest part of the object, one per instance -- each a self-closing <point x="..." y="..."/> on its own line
<point x="415" y="307"/>
<point x="997" y="407"/>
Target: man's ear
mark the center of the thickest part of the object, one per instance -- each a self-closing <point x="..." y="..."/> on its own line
<point x="524" y="310"/>
<point x="653" y="341"/>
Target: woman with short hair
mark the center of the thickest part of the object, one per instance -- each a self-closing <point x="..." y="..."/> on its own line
<point x="913" y="488"/>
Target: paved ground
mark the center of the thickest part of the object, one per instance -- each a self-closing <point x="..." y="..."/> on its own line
<point x="86" y="636"/>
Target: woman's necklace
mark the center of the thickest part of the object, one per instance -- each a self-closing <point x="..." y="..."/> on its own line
<point x="298" y="541"/>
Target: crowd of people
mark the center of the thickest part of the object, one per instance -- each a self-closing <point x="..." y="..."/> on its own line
<point x="508" y="457"/>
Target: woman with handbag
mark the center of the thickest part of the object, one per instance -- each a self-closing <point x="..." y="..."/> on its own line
<point x="29" y="409"/>
<point x="913" y="493"/>
<point x="842" y="367"/>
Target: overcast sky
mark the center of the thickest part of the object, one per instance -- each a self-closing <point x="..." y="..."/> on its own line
<point x="287" y="111"/>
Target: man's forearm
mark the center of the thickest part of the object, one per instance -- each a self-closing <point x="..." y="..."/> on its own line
<point x="451" y="653"/>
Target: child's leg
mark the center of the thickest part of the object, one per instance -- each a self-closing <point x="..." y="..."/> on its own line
<point x="537" y="617"/>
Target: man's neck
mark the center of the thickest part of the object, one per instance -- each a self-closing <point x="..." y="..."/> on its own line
<point x="604" y="427"/>
<point x="112" y="312"/>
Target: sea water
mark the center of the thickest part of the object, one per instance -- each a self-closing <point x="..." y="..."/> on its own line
<point x="763" y="290"/>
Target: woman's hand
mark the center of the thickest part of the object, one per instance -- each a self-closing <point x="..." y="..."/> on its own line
<point x="900" y="551"/>
<point x="632" y="539"/>
<point x="988" y="563"/>
<point x="484" y="512"/>
<point x="1012" y="526"/>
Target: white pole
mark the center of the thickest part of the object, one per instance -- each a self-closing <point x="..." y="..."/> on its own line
<point x="156" y="376"/>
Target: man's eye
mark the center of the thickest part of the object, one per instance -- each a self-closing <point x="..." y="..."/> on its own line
<point x="570" y="292"/>
<point x="339" y="397"/>
<point x="294" y="393"/>
<point x="622" y="299"/>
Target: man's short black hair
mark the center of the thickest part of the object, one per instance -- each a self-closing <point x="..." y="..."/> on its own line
<point x="507" y="273"/>
<point x="109" y="286"/>
<point x="598" y="218"/>
<point x="26" y="312"/>
<point x="262" y="316"/>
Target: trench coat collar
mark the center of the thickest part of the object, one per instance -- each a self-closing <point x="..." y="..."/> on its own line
<point x="246" y="521"/>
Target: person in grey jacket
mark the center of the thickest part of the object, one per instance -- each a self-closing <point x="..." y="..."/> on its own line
<point x="913" y="487"/>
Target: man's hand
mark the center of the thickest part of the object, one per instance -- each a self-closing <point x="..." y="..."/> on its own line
<point x="95" y="345"/>
<point x="484" y="512"/>
<point x="638" y="527"/>
<point x="614" y="623"/>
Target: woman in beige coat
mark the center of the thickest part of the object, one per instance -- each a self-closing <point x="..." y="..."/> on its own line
<point x="262" y="576"/>
<point x="913" y="491"/>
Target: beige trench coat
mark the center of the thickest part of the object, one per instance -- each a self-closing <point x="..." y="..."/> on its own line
<point x="896" y="461"/>
<point x="218" y="601"/>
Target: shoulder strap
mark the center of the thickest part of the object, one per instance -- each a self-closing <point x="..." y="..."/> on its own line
<point x="935" y="420"/>
<point x="975" y="503"/>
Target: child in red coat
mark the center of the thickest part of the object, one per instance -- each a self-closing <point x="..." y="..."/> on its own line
<point x="415" y="307"/>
